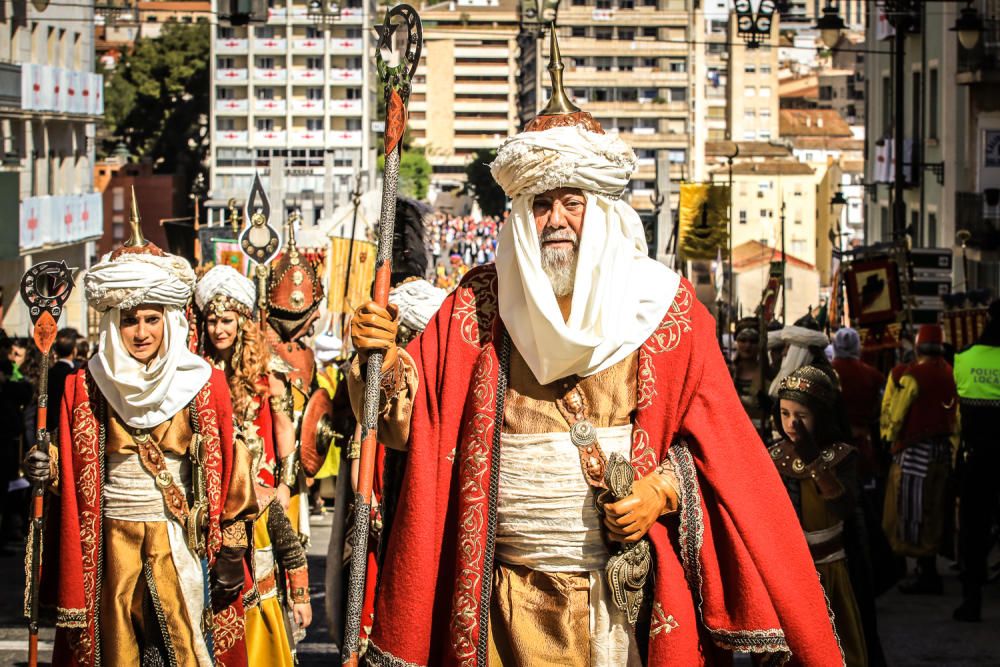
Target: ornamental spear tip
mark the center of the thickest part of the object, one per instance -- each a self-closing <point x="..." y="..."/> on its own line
<point x="559" y="103"/>
<point x="137" y="240"/>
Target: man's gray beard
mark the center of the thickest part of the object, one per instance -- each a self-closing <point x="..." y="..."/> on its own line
<point x="559" y="265"/>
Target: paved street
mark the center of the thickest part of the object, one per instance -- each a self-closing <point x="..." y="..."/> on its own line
<point x="915" y="630"/>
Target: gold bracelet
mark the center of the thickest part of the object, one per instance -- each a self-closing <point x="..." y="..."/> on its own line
<point x="290" y="470"/>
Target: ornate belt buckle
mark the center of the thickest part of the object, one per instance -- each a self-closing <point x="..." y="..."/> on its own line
<point x="583" y="434"/>
<point x="164" y="479"/>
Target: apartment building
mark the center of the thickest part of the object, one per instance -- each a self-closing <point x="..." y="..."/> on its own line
<point x="752" y="84"/>
<point x="465" y="91"/>
<point x="628" y="62"/>
<point x="950" y="137"/>
<point x="292" y="98"/>
<point x="50" y="102"/>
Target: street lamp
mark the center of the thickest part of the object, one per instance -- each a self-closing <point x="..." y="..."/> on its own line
<point x="969" y="27"/>
<point x="830" y="25"/>
<point x="754" y="28"/>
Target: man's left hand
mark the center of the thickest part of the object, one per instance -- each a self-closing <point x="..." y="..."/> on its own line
<point x="227" y="577"/>
<point x="629" y="519"/>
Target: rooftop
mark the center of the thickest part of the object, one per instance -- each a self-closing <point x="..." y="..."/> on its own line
<point x="828" y="143"/>
<point x="752" y="254"/>
<point x="747" y="149"/>
<point x="769" y="168"/>
<point x="813" y="123"/>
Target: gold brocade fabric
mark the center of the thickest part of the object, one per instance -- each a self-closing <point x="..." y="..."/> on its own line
<point x="267" y="641"/>
<point x="540" y="619"/>
<point x="819" y="514"/>
<point x="531" y="407"/>
<point x="172" y="436"/>
<point x="140" y="595"/>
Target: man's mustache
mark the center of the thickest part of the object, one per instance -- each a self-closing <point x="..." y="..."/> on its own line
<point x="556" y="234"/>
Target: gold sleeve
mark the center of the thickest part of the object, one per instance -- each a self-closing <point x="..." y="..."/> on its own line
<point x="899" y="405"/>
<point x="399" y="386"/>
<point x="241" y="500"/>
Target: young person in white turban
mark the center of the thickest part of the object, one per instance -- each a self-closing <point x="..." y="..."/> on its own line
<point x="153" y="491"/>
<point x="572" y="357"/>
<point x="232" y="341"/>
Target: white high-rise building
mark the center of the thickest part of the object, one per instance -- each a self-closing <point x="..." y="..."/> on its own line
<point x="292" y="99"/>
<point x="50" y="102"/>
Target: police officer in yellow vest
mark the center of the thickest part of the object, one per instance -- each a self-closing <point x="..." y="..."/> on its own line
<point x="977" y="376"/>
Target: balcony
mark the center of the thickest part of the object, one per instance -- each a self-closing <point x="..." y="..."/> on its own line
<point x="313" y="76"/>
<point x="269" y="107"/>
<point x="344" y="107"/>
<point x="269" y="45"/>
<point x="351" y="15"/>
<point x="307" y="138"/>
<point x="345" y="76"/>
<point x="307" y="107"/>
<point x="232" y="106"/>
<point x="10" y="85"/>
<point x="231" y="46"/>
<point x="232" y="137"/>
<point x="974" y="215"/>
<point x="231" y="75"/>
<point x="273" y="75"/>
<point x="60" y="219"/>
<point x="307" y="45"/>
<point x="342" y="45"/>
<point x="344" y="138"/>
<point x="269" y="137"/>
<point x="60" y="90"/>
<point x="981" y="64"/>
<point x="276" y="14"/>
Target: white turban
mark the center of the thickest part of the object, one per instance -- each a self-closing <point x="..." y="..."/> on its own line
<point x="531" y="163"/>
<point x="417" y="301"/>
<point x="135" y="278"/>
<point x="620" y="295"/>
<point x="144" y="395"/>
<point x="224" y="280"/>
<point x="799" y="354"/>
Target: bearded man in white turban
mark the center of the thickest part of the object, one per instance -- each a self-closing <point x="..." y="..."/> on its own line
<point x="145" y="561"/>
<point x="583" y="486"/>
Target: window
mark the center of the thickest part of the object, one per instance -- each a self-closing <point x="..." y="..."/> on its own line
<point x="314" y="94"/>
<point x="743" y="216"/>
<point x="626" y="34"/>
<point x="353" y="124"/>
<point x="265" y="62"/>
<point x="265" y="124"/>
<point x="932" y="104"/>
<point x="225" y="94"/>
<point x="677" y="155"/>
<point x="798" y="217"/>
<point x="224" y="63"/>
<point x="225" y="124"/>
<point x="580" y="31"/>
<point x="765" y="91"/>
<point x="265" y="93"/>
<point x="118" y="198"/>
<point x="652" y="63"/>
<point x="749" y="135"/>
<point x="604" y="4"/>
<point x="602" y="64"/>
<point x="648" y="3"/>
<point x="749" y="91"/>
<point x="314" y="62"/>
<point x="312" y="32"/>
<point x="314" y="124"/>
<point x="678" y="65"/>
<point x="798" y="249"/>
<point x="749" y="69"/>
<point x="225" y="32"/>
<point x="649" y="31"/>
<point x="265" y="31"/>
<point x="626" y="64"/>
<point x="678" y="94"/>
<point x="578" y="62"/>
<point x="626" y="4"/>
<point x="932" y="225"/>
<point x="765" y="69"/>
<point x="354" y="93"/>
<point x="605" y="34"/>
<point x="628" y="95"/>
<point x="749" y="116"/>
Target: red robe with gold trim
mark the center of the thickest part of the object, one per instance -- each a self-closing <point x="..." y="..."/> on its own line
<point x="74" y="545"/>
<point x="733" y="572"/>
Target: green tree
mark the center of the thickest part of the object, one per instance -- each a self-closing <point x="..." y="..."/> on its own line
<point x="479" y="183"/>
<point x="157" y="97"/>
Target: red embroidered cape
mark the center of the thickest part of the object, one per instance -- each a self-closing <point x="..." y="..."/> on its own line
<point x="732" y="574"/>
<point x="74" y="540"/>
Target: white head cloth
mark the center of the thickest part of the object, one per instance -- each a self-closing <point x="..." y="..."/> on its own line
<point x="620" y="295"/>
<point x="328" y="346"/>
<point x="417" y="301"/>
<point x="224" y="280"/>
<point x="144" y="395"/>
<point x="799" y="340"/>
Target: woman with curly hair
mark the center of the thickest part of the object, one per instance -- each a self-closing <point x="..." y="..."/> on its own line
<point x="232" y="341"/>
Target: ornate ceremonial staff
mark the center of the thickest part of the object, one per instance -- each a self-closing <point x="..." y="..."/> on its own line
<point x="259" y="241"/>
<point x="45" y="287"/>
<point x="396" y="87"/>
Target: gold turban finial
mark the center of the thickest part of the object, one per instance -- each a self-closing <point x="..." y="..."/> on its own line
<point x="559" y="103"/>
<point x="137" y="240"/>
